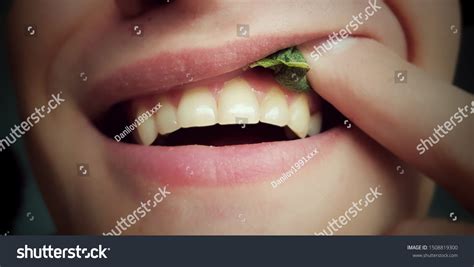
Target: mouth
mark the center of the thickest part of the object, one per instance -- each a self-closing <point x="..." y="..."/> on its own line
<point x="242" y="107"/>
<point x="239" y="129"/>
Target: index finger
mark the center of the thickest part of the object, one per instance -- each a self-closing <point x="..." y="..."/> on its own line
<point x="425" y="122"/>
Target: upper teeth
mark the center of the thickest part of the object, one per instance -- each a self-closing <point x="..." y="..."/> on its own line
<point x="236" y="101"/>
<point x="197" y="108"/>
<point x="166" y="118"/>
<point x="299" y="116"/>
<point x="274" y="109"/>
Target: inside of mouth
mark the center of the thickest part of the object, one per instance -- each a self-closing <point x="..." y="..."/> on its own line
<point x="112" y="123"/>
<point x="281" y="115"/>
<point x="224" y="135"/>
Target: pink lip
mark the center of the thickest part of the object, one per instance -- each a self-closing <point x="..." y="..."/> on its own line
<point x="202" y="165"/>
<point x="217" y="166"/>
<point x="167" y="70"/>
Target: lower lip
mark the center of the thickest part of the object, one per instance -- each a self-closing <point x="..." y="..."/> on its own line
<point x="198" y="165"/>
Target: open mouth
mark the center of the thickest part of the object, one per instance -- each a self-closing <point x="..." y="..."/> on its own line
<point x="243" y="107"/>
<point x="236" y="127"/>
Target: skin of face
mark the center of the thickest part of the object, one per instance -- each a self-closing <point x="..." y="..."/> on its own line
<point x="91" y="37"/>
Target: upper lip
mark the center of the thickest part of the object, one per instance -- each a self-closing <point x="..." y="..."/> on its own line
<point x="172" y="52"/>
<point x="164" y="71"/>
<point x="133" y="69"/>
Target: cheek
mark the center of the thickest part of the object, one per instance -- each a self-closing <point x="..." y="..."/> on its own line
<point x="432" y="43"/>
<point x="358" y="165"/>
<point x="36" y="30"/>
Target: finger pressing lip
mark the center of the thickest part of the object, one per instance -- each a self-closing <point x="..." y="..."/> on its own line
<point x="396" y="103"/>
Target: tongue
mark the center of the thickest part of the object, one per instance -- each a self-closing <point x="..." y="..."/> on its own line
<point x="223" y="135"/>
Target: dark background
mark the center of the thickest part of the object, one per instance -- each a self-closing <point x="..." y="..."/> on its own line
<point x="22" y="207"/>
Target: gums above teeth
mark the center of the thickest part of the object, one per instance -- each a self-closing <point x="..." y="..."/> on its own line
<point x="236" y="101"/>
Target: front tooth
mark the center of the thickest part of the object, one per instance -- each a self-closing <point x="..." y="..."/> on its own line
<point x="274" y="109"/>
<point x="145" y="133"/>
<point x="299" y="116"/>
<point x="237" y="102"/>
<point x="166" y="119"/>
<point x="315" y="124"/>
<point x="197" y="108"/>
